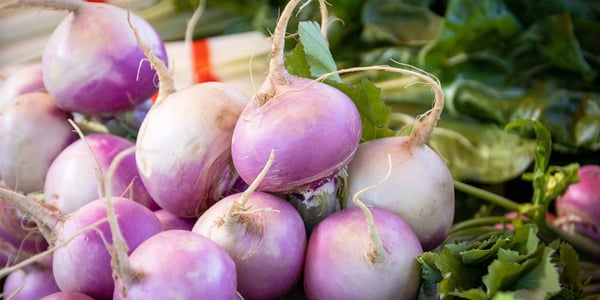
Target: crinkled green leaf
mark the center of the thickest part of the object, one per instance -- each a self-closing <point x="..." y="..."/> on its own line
<point x="316" y="50"/>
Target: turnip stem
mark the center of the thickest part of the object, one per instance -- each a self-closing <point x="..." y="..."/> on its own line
<point x="69" y="5"/>
<point x="277" y="71"/>
<point x="422" y="134"/>
<point x="97" y="168"/>
<point x="166" y="85"/>
<point x="45" y="217"/>
<point x="240" y="205"/>
<point x="376" y="253"/>
<point x="120" y="260"/>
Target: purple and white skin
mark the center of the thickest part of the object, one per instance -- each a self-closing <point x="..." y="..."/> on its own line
<point x="71" y="181"/>
<point x="92" y="63"/>
<point x="67" y="296"/>
<point x="578" y="209"/>
<point x="25" y="79"/>
<point x="33" y="132"/>
<point x="313" y="128"/>
<point x="33" y="281"/>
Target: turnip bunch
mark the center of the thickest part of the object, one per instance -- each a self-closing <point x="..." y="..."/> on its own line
<point x="265" y="236"/>
<point x="91" y="63"/>
<point x="187" y="167"/>
<point x="362" y="253"/>
<point x="313" y="128"/>
<point x="79" y="240"/>
<point x="33" y="132"/>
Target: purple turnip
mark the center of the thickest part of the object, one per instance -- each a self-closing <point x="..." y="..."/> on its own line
<point x="177" y="264"/>
<point x="72" y="180"/>
<point x="67" y="296"/>
<point x="578" y="209"/>
<point x="91" y="62"/>
<point x="265" y="236"/>
<point x="34" y="131"/>
<point x="313" y="127"/>
<point x="362" y="253"/>
<point x="172" y="221"/>
<point x="31" y="282"/>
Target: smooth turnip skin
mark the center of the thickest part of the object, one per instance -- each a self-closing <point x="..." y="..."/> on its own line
<point x="578" y="209"/>
<point x="71" y="180"/>
<point x="67" y="296"/>
<point x="420" y="188"/>
<point x="183" y="149"/>
<point x="170" y="221"/>
<point x="337" y="266"/>
<point x="31" y="282"/>
<point x="92" y="63"/>
<point x="84" y="263"/>
<point x="26" y="79"/>
<point x="267" y="243"/>
<point x="34" y="131"/>
<point x="314" y="131"/>
<point x="180" y="264"/>
<point x="19" y="238"/>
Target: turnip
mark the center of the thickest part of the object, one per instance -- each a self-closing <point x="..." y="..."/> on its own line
<point x="81" y="260"/>
<point x="188" y="167"/>
<point x="26" y="79"/>
<point x="578" y="209"/>
<point x="420" y="188"/>
<point x="171" y="221"/>
<point x="91" y="62"/>
<point x="177" y="264"/>
<point x="34" y="131"/>
<point x="362" y="253"/>
<point x="265" y="236"/>
<point x="72" y="181"/>
<point x="31" y="282"/>
<point x="314" y="129"/>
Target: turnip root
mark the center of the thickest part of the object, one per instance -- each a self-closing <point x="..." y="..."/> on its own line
<point x="72" y="180"/>
<point x="170" y="221"/>
<point x="314" y="129"/>
<point x="178" y="264"/>
<point x="82" y="263"/>
<point x="420" y="188"/>
<point x="67" y="296"/>
<point x="91" y="62"/>
<point x="264" y="235"/>
<point x="26" y="79"/>
<point x="31" y="282"/>
<point x="188" y="167"/>
<point x="34" y="131"/>
<point x="362" y="253"/>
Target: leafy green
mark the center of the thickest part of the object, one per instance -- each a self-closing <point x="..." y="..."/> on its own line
<point x="316" y="50"/>
<point x="510" y="266"/>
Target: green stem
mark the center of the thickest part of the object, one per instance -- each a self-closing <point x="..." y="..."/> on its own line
<point x="478" y="222"/>
<point x="486" y="195"/>
<point x="582" y="245"/>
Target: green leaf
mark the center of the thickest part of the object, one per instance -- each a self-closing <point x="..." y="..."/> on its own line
<point x="374" y="113"/>
<point x="296" y="63"/>
<point x="316" y="50"/>
<point x="542" y="281"/>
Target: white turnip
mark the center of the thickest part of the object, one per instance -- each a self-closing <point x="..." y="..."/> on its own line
<point x="313" y="127"/>
<point x="72" y="180"/>
<point x="34" y="131"/>
<point x="25" y="79"/>
<point x="264" y="235"/>
<point x="187" y="167"/>
<point x="578" y="209"/>
<point x="91" y="62"/>
<point x="420" y="188"/>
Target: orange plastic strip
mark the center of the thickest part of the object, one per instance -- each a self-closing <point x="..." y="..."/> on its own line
<point x="201" y="61"/>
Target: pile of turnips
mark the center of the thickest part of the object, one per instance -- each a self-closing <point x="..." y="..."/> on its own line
<point x="220" y="195"/>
